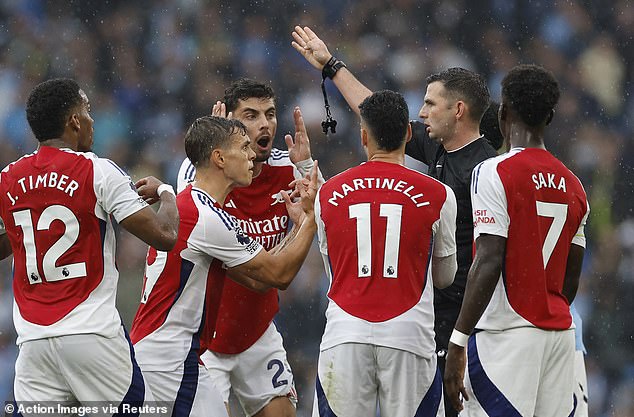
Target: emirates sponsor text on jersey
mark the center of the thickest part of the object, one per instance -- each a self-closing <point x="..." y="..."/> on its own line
<point x="268" y="232"/>
<point x="49" y="180"/>
<point x="376" y="183"/>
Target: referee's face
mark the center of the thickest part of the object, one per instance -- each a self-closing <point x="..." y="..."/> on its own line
<point x="438" y="113"/>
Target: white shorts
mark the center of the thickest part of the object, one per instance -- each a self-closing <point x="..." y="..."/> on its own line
<point x="520" y="372"/>
<point x="354" y="378"/>
<point x="188" y="390"/>
<point x="79" y="370"/>
<point x="257" y="375"/>
<point x="581" y="386"/>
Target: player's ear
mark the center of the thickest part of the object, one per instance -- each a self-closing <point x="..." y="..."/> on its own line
<point x="408" y="134"/>
<point x="550" y="117"/>
<point x="461" y="109"/>
<point x="364" y="137"/>
<point x="73" y="121"/>
<point x="217" y="158"/>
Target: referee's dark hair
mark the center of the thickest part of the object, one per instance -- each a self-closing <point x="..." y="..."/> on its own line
<point x="465" y="85"/>
<point x="532" y="92"/>
<point x="386" y="115"/>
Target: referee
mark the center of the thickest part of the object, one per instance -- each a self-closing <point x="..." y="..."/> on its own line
<point x="448" y="141"/>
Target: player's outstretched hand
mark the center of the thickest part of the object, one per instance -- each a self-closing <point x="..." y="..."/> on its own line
<point x="307" y="43"/>
<point x="147" y="188"/>
<point x="454" y="376"/>
<point x="220" y="110"/>
<point x="299" y="147"/>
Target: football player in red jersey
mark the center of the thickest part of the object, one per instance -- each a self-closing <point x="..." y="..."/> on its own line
<point x="451" y="139"/>
<point x="246" y="353"/>
<point x="183" y="287"/>
<point x="386" y="233"/>
<point x="529" y="213"/>
<point x="56" y="205"/>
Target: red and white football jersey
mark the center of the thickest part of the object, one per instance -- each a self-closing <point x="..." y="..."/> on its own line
<point x="378" y="226"/>
<point x="244" y="315"/>
<point x="56" y="206"/>
<point x="182" y="287"/>
<point x="529" y="197"/>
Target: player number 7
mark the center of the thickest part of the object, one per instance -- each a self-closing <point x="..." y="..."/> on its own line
<point x="558" y="212"/>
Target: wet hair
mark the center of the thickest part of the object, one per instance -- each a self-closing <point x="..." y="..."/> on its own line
<point x="208" y="133"/>
<point x="49" y="105"/>
<point x="386" y="115"/>
<point x="465" y="85"/>
<point x="490" y="126"/>
<point x="243" y="89"/>
<point x="532" y="92"/>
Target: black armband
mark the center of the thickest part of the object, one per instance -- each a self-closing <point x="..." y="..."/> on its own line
<point x="332" y="66"/>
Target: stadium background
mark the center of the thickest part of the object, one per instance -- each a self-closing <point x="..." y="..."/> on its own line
<point x="151" y="67"/>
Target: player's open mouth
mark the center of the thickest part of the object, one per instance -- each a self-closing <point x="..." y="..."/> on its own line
<point x="264" y="142"/>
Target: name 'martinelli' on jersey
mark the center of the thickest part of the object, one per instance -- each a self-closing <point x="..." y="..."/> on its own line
<point x="378" y="183"/>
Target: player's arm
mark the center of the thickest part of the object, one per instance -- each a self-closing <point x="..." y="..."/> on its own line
<point x="5" y="246"/>
<point x="573" y="271"/>
<point x="314" y="50"/>
<point x="481" y="281"/>
<point x="278" y="268"/>
<point x="253" y="284"/>
<point x="443" y="262"/>
<point x="158" y="229"/>
<point x="488" y="199"/>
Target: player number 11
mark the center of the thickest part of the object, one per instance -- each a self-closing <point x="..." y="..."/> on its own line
<point x="392" y="212"/>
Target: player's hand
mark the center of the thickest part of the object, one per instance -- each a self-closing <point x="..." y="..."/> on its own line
<point x="147" y="189"/>
<point x="293" y="207"/>
<point x="220" y="110"/>
<point x="306" y="189"/>
<point x="454" y="376"/>
<point x="311" y="47"/>
<point x="298" y="148"/>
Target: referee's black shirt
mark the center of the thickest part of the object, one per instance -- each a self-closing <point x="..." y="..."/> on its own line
<point x="453" y="169"/>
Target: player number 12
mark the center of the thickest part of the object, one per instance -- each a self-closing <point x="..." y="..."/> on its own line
<point x="71" y="233"/>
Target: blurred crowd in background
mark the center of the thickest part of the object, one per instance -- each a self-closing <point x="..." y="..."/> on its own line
<point x="151" y="67"/>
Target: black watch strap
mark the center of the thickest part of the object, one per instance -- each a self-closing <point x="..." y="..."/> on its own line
<point x="332" y="66"/>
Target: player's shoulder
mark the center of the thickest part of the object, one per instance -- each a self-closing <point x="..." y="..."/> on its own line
<point x="18" y="161"/>
<point x="209" y="212"/>
<point x="279" y="158"/>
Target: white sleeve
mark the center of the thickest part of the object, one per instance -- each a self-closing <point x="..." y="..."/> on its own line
<point x="445" y="233"/>
<point x="114" y="189"/>
<point x="488" y="199"/>
<point x="302" y="168"/>
<point x="221" y="237"/>
<point x="580" y="237"/>
<point x="321" y="227"/>
<point x="186" y="175"/>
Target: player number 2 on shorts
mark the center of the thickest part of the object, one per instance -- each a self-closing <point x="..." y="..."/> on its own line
<point x="71" y="233"/>
<point x="392" y="212"/>
<point x="558" y="212"/>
